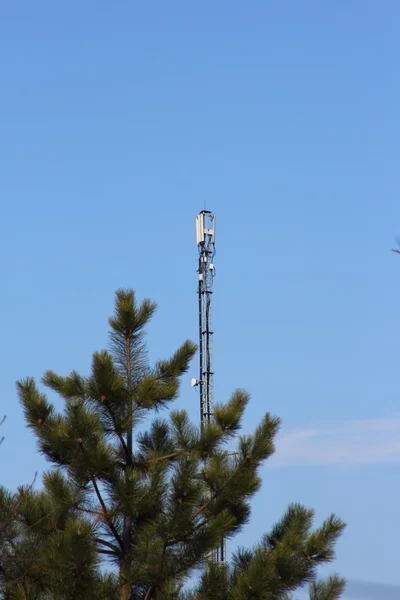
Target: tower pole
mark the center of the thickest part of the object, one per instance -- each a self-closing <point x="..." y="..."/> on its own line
<point x="205" y="233"/>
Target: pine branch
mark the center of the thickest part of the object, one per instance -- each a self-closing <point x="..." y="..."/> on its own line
<point x="106" y="552"/>
<point x="108" y="545"/>
<point x="216" y="494"/>
<point x="150" y="592"/>
<point x="16" y="508"/>
<point x="108" y="521"/>
<point x="166" y="543"/>
<point x="120" y="436"/>
<point x="158" y="458"/>
<point x="88" y="511"/>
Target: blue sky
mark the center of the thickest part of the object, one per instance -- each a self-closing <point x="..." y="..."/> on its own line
<point x="119" y="122"/>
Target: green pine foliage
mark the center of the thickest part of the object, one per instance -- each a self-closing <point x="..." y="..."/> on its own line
<point x="331" y="589"/>
<point x="153" y="502"/>
<point x="284" y="560"/>
<point x="48" y="550"/>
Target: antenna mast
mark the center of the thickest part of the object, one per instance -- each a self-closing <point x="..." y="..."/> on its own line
<point x="205" y="233"/>
<point x="205" y="229"/>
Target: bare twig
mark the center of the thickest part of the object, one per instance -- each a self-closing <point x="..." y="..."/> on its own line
<point x="1" y="423"/>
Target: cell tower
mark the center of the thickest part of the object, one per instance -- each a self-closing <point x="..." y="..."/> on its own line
<point x="205" y="234"/>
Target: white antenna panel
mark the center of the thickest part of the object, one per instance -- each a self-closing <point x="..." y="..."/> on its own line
<point x="200" y="229"/>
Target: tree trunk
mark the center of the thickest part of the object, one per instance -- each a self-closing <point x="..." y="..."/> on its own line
<point x="125" y="587"/>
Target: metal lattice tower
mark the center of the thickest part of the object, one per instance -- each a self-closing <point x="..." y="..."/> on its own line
<point x="205" y="229"/>
<point x="205" y="233"/>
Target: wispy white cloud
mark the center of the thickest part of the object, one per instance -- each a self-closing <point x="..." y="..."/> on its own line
<point x="365" y="590"/>
<point x="362" y="590"/>
<point x="355" y="442"/>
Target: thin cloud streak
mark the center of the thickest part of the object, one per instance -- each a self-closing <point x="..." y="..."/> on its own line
<point x="358" y="442"/>
<point x="365" y="590"/>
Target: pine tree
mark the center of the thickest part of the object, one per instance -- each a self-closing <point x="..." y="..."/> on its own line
<point x="154" y="501"/>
